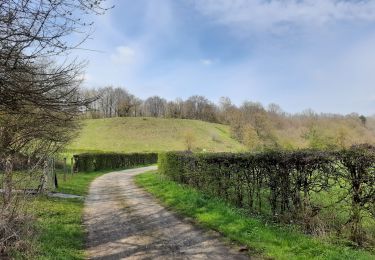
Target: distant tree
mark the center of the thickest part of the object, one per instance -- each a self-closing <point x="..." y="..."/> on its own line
<point x="200" y="108"/>
<point x="225" y="103"/>
<point x="251" y="138"/>
<point x="155" y="106"/>
<point x="124" y="102"/>
<point x="137" y="104"/>
<point x="174" y="109"/>
<point x="255" y="115"/>
<point x="225" y="109"/>
<point x="274" y="109"/>
<point x="107" y="101"/>
<point x="363" y="120"/>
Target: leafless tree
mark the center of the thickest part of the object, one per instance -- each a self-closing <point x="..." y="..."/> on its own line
<point x="125" y="102"/>
<point x="39" y="96"/>
<point x="155" y="106"/>
<point x="175" y="109"/>
<point x="36" y="30"/>
<point x="199" y="107"/>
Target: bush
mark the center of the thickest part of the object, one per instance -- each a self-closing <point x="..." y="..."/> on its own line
<point x="103" y="161"/>
<point x="290" y="186"/>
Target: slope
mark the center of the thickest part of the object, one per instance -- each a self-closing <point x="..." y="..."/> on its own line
<point x="129" y="134"/>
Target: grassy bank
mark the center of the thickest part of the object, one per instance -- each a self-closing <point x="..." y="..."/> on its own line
<point x="260" y="237"/>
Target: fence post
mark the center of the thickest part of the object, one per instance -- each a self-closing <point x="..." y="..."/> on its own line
<point x="44" y="177"/>
<point x="64" y="168"/>
<point x="71" y="166"/>
<point x="7" y="181"/>
<point x="54" y="173"/>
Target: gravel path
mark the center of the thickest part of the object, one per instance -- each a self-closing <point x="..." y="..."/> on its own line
<point x="125" y="222"/>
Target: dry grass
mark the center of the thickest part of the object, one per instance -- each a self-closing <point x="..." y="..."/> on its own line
<point x="17" y="228"/>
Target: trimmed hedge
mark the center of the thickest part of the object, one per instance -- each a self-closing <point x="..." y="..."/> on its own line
<point x="103" y="161"/>
<point x="301" y="186"/>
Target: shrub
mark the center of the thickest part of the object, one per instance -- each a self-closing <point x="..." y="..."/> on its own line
<point x="103" y="161"/>
<point x="289" y="186"/>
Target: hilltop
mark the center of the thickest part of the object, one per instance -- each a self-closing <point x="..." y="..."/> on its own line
<point x="145" y="134"/>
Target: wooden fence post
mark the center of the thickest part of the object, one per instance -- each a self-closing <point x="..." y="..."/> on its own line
<point x="44" y="178"/>
<point x="54" y="173"/>
<point x="65" y="169"/>
<point x="71" y="166"/>
<point x="7" y="181"/>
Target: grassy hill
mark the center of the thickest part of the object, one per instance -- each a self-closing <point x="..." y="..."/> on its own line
<point x="152" y="135"/>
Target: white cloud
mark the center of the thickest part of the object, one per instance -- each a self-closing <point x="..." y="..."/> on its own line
<point x="207" y="62"/>
<point x="271" y="14"/>
<point x="123" y="55"/>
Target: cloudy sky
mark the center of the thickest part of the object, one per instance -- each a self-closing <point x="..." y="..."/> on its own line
<point x="300" y="54"/>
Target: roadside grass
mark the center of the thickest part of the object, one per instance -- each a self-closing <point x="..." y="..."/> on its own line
<point x="59" y="221"/>
<point x="78" y="183"/>
<point x="262" y="238"/>
<point x="145" y="134"/>
<point x="59" y="226"/>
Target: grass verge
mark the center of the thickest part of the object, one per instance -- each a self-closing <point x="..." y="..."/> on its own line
<point x="260" y="237"/>
<point x="59" y="221"/>
<point x="77" y="184"/>
<point x="59" y="225"/>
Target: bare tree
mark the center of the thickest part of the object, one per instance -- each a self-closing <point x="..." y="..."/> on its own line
<point x="155" y="106"/>
<point x="137" y="104"/>
<point x="199" y="107"/>
<point x="34" y="30"/>
<point x="174" y="109"/>
<point x="39" y="97"/>
<point x="124" y="102"/>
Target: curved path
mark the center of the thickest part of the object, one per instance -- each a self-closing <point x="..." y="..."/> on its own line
<point x="125" y="222"/>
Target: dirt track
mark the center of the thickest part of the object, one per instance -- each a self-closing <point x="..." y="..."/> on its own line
<point x="125" y="222"/>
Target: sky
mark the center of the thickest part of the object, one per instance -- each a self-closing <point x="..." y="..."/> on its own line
<point x="300" y="54"/>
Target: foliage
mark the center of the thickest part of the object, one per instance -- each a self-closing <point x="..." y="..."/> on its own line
<point x="270" y="240"/>
<point x="102" y="161"/>
<point x="286" y="185"/>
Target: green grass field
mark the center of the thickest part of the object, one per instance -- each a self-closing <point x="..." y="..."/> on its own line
<point x="262" y="238"/>
<point x="152" y="135"/>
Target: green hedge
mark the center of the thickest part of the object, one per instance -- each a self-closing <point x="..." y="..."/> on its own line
<point x="307" y="187"/>
<point x="102" y="161"/>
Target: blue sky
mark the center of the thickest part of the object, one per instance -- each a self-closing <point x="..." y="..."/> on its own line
<point x="300" y="54"/>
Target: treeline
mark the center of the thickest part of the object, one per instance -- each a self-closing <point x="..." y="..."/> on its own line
<point x="252" y="124"/>
<point x="118" y="102"/>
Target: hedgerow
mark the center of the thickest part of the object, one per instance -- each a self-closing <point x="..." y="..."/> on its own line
<point x="103" y="161"/>
<point x="320" y="190"/>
